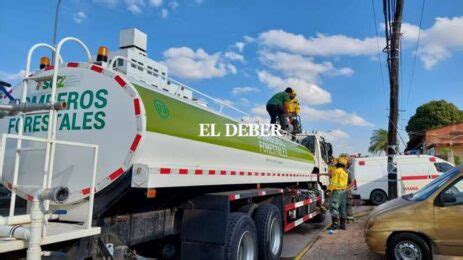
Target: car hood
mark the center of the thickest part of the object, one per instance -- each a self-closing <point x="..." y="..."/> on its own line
<point x="390" y="205"/>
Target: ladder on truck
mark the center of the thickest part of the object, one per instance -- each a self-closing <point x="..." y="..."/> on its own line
<point x="32" y="230"/>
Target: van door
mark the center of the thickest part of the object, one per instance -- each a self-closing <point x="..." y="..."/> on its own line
<point x="413" y="174"/>
<point x="448" y="223"/>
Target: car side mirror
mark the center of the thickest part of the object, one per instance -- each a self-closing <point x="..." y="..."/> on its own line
<point x="449" y="198"/>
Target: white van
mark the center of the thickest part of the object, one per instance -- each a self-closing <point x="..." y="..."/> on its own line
<point x="413" y="172"/>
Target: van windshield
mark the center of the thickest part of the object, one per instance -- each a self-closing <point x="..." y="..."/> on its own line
<point x="431" y="187"/>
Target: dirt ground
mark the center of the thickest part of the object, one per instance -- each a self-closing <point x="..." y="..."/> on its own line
<point x="343" y="244"/>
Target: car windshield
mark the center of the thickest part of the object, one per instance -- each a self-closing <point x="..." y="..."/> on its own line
<point x="431" y="187"/>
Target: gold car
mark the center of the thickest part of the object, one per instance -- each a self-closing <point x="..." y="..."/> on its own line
<point x="418" y="225"/>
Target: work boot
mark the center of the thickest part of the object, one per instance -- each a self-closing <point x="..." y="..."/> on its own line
<point x="343" y="224"/>
<point x="334" y="223"/>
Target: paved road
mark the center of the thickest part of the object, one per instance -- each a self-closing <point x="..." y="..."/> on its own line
<point x="297" y="239"/>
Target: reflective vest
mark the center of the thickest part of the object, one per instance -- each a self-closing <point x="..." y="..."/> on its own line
<point x="293" y="106"/>
<point x="339" y="179"/>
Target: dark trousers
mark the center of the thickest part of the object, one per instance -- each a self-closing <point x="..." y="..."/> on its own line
<point x="276" y="111"/>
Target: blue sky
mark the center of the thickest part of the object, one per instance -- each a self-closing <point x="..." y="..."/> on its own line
<point x="244" y="51"/>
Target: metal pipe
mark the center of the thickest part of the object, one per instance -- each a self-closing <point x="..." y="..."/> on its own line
<point x="30" y="107"/>
<point x="17" y="231"/>
<point x="57" y="195"/>
<point x="22" y="219"/>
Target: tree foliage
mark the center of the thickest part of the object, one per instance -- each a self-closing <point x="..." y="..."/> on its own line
<point x="432" y="115"/>
<point x="378" y="142"/>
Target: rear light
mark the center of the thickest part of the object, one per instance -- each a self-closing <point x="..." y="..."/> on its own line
<point x="362" y="163"/>
<point x="432" y="159"/>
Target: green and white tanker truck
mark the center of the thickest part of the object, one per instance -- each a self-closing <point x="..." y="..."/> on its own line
<point x="132" y="172"/>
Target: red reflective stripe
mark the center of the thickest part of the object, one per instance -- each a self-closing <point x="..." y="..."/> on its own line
<point x="256" y="173"/>
<point x="116" y="174"/>
<point x="165" y="171"/>
<point x="434" y="176"/>
<point x="241" y="173"/>
<point x="136" y="105"/>
<point x="249" y="173"/>
<point x="49" y="68"/>
<point x="183" y="171"/>
<point x="290" y="226"/>
<point x="232" y="173"/>
<point x="73" y="64"/>
<point x="223" y="172"/>
<point x="414" y="177"/>
<point x="135" y="143"/>
<point x="96" y="68"/>
<point x="211" y="172"/>
<point x="198" y="172"/>
<point x="120" y="81"/>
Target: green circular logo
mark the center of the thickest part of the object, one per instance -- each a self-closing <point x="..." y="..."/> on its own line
<point x="161" y="108"/>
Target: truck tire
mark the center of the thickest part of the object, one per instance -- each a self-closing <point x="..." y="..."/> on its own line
<point x="408" y="246"/>
<point x="269" y="231"/>
<point x="378" y="197"/>
<point x="241" y="239"/>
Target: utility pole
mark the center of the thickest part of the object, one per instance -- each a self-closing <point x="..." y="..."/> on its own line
<point x="393" y="60"/>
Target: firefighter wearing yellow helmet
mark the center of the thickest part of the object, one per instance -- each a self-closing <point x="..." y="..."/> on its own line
<point x="293" y="112"/>
<point x="337" y="189"/>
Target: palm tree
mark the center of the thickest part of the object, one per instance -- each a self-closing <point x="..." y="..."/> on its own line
<point x="378" y="142"/>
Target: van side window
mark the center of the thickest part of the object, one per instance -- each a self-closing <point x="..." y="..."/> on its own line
<point x="442" y="166"/>
<point x="453" y="195"/>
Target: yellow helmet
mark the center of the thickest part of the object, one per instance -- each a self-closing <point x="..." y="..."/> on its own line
<point x="343" y="160"/>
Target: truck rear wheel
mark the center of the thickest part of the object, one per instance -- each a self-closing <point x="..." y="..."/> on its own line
<point x="269" y="231"/>
<point x="378" y="197"/>
<point x="241" y="241"/>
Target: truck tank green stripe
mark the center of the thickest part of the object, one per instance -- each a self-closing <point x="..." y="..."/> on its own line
<point x="167" y="115"/>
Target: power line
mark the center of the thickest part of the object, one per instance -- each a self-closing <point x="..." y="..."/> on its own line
<point x="416" y="54"/>
<point x="379" y="52"/>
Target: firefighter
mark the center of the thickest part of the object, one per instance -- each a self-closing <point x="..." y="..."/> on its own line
<point x="277" y="107"/>
<point x="293" y="112"/>
<point x="332" y="166"/>
<point x="337" y="191"/>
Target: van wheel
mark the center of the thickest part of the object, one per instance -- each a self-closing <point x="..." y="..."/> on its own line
<point x="378" y="197"/>
<point x="408" y="246"/>
<point x="269" y="231"/>
<point x="242" y="240"/>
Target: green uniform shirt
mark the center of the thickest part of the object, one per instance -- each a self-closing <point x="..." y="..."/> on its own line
<point x="279" y="99"/>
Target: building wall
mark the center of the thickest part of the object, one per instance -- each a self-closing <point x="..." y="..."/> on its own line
<point x="448" y="137"/>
